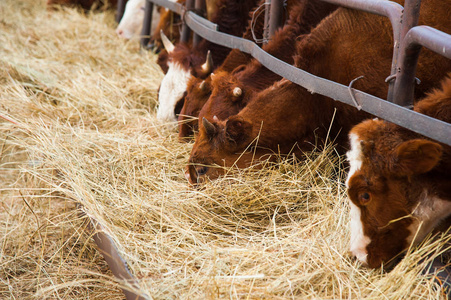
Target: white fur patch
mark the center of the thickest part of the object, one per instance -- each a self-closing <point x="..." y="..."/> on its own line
<point x="429" y="213"/>
<point x="132" y="20"/>
<point x="354" y="156"/>
<point x="172" y="88"/>
<point x="359" y="241"/>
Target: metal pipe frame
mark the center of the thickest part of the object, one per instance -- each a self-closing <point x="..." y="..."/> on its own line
<point x="415" y="39"/>
<point x="276" y="16"/>
<point x="147" y="24"/>
<point x="120" y="9"/>
<point x="116" y="263"/>
<point x="394" y="12"/>
<point x="410" y="17"/>
<point x="186" y="30"/>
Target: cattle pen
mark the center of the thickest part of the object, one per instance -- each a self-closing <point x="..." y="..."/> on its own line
<point x="79" y="133"/>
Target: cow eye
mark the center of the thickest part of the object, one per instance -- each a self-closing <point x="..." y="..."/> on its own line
<point x="364" y="198"/>
<point x="202" y="171"/>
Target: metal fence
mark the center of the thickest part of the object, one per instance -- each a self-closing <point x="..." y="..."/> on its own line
<point x="409" y="38"/>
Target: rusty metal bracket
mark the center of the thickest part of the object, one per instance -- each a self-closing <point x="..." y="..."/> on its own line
<point x="110" y="253"/>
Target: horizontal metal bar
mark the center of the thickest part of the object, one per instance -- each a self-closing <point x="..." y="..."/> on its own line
<point x="415" y="39"/>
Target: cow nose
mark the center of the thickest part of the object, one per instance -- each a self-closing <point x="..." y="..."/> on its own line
<point x="120" y="32"/>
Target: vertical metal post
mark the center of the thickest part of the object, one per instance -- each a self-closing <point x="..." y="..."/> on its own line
<point x="266" y="23"/>
<point x="200" y="7"/>
<point x="276" y="16"/>
<point x="186" y="31"/>
<point x="120" y="9"/>
<point x="147" y="24"/>
<point x="410" y="19"/>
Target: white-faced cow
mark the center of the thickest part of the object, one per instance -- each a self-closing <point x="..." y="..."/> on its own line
<point x="132" y="20"/>
<point x="286" y="118"/>
<point x="399" y="184"/>
<point x="185" y="62"/>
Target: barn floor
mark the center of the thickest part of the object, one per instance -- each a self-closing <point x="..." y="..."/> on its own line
<point x="78" y="127"/>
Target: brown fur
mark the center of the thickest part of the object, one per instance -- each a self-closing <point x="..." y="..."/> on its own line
<point x="254" y="76"/>
<point x="345" y="45"/>
<point x="398" y="166"/>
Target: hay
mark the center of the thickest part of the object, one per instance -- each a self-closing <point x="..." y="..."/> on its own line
<point x="81" y="129"/>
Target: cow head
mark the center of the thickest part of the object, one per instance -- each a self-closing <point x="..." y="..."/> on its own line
<point x="131" y="22"/>
<point x="228" y="95"/>
<point x="220" y="145"/>
<point x="198" y="92"/>
<point x="170" y="23"/>
<point x="391" y="205"/>
<point x="183" y="64"/>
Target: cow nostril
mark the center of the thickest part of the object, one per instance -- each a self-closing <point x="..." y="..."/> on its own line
<point x="120" y="32"/>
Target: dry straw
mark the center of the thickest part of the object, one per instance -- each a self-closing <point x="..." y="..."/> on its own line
<point x="78" y="127"/>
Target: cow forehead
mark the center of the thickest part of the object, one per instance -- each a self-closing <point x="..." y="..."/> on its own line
<point x="354" y="156"/>
<point x="172" y="88"/>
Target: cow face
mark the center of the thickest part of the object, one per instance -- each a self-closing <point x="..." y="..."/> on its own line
<point x="183" y="64"/>
<point x="198" y="92"/>
<point x="228" y="96"/>
<point x="219" y="145"/>
<point x="390" y="209"/>
<point x="170" y="23"/>
<point x="131" y="22"/>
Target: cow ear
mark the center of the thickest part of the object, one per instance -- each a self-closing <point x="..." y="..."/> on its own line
<point x="237" y="129"/>
<point x="168" y="45"/>
<point x="210" y="128"/>
<point x="416" y="157"/>
<point x="238" y="69"/>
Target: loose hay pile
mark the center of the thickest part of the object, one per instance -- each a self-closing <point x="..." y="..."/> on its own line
<point x="81" y="129"/>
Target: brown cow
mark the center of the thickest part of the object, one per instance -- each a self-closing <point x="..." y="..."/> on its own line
<point x="398" y="180"/>
<point x="185" y="62"/>
<point x="287" y="118"/>
<point x="232" y="90"/>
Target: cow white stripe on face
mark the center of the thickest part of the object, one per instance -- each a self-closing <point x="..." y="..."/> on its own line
<point x="354" y="156"/>
<point x="131" y="22"/>
<point x="359" y="241"/>
<point x="172" y="88"/>
<point x="429" y="213"/>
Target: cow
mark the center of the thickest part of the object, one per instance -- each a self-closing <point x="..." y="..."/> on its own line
<point x="185" y="62"/>
<point x="287" y="118"/>
<point x="132" y="19"/>
<point x="245" y="80"/>
<point x="399" y="184"/>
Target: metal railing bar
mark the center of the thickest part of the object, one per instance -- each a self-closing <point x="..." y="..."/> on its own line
<point x="116" y="263"/>
<point x="394" y="12"/>
<point x="147" y="24"/>
<point x="422" y="124"/>
<point x="415" y="39"/>
<point x="414" y="121"/>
